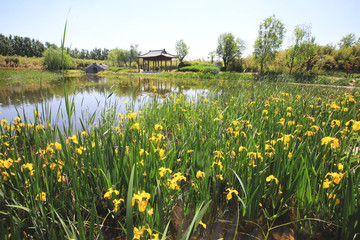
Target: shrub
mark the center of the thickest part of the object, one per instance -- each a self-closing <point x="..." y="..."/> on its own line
<point x="14" y="61"/>
<point x="53" y="59"/>
<point x="201" y="68"/>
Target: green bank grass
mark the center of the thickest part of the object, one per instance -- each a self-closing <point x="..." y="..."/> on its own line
<point x="248" y="159"/>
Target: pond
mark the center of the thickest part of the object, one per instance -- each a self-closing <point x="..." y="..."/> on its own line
<point x="92" y="95"/>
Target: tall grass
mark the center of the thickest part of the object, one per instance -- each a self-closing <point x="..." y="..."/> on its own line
<point x="286" y="155"/>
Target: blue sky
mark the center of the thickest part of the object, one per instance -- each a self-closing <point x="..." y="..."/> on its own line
<point x="160" y="24"/>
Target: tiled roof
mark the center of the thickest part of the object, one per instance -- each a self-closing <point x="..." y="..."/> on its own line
<point x="156" y="53"/>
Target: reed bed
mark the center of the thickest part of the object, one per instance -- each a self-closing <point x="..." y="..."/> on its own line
<point x="248" y="159"/>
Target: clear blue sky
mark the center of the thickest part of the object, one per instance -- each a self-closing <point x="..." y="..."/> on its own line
<point x="160" y="24"/>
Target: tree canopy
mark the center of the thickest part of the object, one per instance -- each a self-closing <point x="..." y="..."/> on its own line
<point x="181" y="50"/>
<point x="269" y="40"/>
<point x="347" y="41"/>
<point x="303" y="48"/>
<point x="229" y="48"/>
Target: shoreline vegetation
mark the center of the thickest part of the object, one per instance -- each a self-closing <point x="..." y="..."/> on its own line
<point x="267" y="159"/>
<point x="14" y="75"/>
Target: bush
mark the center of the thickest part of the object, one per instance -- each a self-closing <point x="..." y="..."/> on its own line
<point x="304" y="77"/>
<point x="117" y="69"/>
<point x="201" y="68"/>
<point x="13" y="61"/>
<point x="53" y="59"/>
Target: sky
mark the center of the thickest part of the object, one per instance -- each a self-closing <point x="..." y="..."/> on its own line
<point x="159" y="24"/>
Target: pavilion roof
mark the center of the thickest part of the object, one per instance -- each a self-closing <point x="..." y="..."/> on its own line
<point x="156" y="54"/>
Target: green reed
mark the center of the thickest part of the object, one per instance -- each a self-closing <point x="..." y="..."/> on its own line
<point x="287" y="154"/>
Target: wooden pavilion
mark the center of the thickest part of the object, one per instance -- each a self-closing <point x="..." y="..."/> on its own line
<point x="156" y="57"/>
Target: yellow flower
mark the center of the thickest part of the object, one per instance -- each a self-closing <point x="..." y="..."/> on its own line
<point x="150" y="212"/>
<point x="161" y="153"/>
<point x="108" y="194"/>
<point x="335" y="123"/>
<point x="272" y="177"/>
<point x="142" y="200"/>
<point x="340" y="166"/>
<point x="333" y="105"/>
<point x="154" y="88"/>
<point x="41" y="196"/>
<point x="6" y="163"/>
<point x="174" y="182"/>
<point x="202" y="224"/>
<point x="219" y="176"/>
<point x="5" y="176"/>
<point x="200" y="174"/>
<point x="28" y="166"/>
<point x="164" y="170"/>
<point x="326" y="183"/>
<point x="158" y="126"/>
<point x="135" y="126"/>
<point x="138" y="232"/>
<point x="241" y="148"/>
<point x="231" y="191"/>
<point x="117" y="203"/>
<point x="131" y="115"/>
<point x="336" y="177"/>
<point x="39" y="127"/>
<point x="57" y="146"/>
<point x="73" y="138"/>
<point x="332" y="140"/>
<point x="154" y="236"/>
<point x="356" y="126"/>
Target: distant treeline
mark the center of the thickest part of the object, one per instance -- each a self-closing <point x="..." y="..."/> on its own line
<point x="27" y="47"/>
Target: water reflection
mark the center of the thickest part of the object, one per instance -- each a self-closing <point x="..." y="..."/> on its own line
<point x="90" y="93"/>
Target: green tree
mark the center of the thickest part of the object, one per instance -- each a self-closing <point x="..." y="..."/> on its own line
<point x="347" y="41"/>
<point x="267" y="44"/>
<point x="134" y="53"/>
<point x="119" y="57"/>
<point x="181" y="50"/>
<point x="5" y="46"/>
<point x="303" y="47"/>
<point x="229" y="48"/>
<point x="211" y="56"/>
<point x="52" y="59"/>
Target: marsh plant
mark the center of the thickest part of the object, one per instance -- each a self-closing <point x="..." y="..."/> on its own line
<point x="285" y="155"/>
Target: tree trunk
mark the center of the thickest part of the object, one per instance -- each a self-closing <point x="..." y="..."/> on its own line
<point x="291" y="65"/>
<point x="261" y="67"/>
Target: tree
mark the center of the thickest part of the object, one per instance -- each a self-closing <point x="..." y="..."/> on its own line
<point x="104" y="54"/>
<point x="303" y="47"/>
<point x="271" y="35"/>
<point x="212" y="55"/>
<point x="347" y="41"/>
<point x="134" y="53"/>
<point x="5" y="46"/>
<point x="95" y="54"/>
<point x="119" y="57"/>
<point x="181" y="50"/>
<point x="53" y="59"/>
<point x="229" y="48"/>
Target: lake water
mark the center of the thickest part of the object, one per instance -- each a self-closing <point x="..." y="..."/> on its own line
<point x="91" y="95"/>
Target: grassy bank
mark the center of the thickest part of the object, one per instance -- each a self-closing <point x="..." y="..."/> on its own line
<point x="258" y="159"/>
<point x="294" y="78"/>
<point x="15" y="76"/>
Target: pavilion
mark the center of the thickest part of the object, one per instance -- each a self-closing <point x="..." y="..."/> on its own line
<point x="156" y="57"/>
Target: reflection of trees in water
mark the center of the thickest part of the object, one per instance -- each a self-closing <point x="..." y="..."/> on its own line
<point x="30" y="93"/>
<point x="35" y="93"/>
